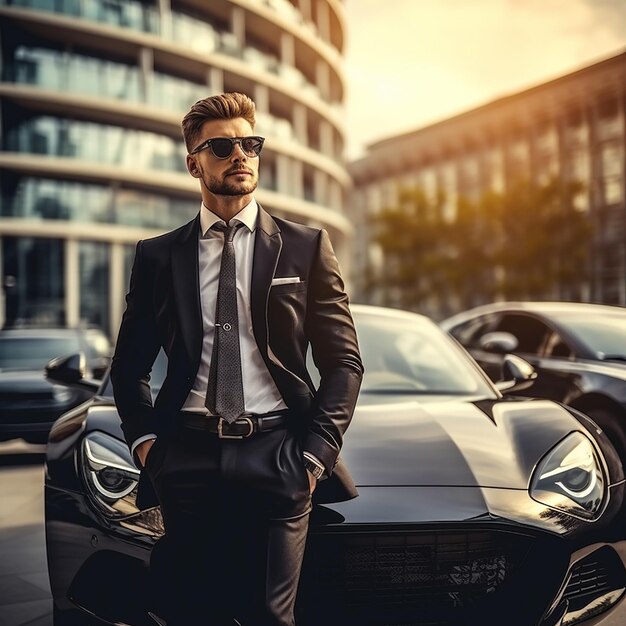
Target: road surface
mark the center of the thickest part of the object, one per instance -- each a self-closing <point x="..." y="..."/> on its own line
<point x="24" y="588"/>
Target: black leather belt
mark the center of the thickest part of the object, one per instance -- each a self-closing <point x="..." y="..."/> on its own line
<point x="245" y="426"/>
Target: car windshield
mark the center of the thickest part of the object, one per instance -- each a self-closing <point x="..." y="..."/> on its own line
<point x="412" y="355"/>
<point x="604" y="334"/>
<point x="157" y="376"/>
<point x="401" y="355"/>
<point x="33" y="353"/>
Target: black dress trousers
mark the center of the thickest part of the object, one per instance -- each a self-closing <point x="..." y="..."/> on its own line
<point x="236" y="517"/>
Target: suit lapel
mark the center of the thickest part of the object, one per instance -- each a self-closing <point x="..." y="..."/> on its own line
<point x="185" y="275"/>
<point x="267" y="247"/>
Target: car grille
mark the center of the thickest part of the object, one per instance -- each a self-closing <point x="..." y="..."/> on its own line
<point x="410" y="573"/>
<point x="589" y="578"/>
<point x="596" y="583"/>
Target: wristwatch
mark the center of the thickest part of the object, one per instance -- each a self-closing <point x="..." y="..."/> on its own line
<point x="315" y="469"/>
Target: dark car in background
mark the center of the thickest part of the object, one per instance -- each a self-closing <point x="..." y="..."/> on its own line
<point x="29" y="403"/>
<point x="474" y="508"/>
<point x="578" y="351"/>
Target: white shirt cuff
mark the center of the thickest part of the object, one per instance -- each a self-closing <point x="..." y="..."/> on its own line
<point x="141" y="440"/>
<point x="311" y="457"/>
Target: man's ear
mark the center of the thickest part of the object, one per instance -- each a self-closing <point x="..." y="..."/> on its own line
<point x="192" y="166"/>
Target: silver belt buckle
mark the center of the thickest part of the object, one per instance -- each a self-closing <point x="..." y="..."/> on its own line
<point x="220" y="431"/>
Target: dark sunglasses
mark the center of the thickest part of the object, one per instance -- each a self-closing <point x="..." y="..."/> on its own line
<point x="222" y="147"/>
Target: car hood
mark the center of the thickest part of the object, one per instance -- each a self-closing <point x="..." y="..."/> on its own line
<point x="433" y="441"/>
<point x="23" y="381"/>
<point x="450" y="442"/>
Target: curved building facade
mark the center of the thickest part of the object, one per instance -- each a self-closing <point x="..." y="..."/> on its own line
<point x="92" y="94"/>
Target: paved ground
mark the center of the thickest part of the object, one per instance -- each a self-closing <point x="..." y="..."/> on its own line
<point x="24" y="588"/>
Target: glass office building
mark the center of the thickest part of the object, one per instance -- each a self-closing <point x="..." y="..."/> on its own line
<point x="92" y="93"/>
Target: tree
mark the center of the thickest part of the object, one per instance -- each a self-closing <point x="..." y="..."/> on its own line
<point x="528" y="243"/>
<point x="415" y="250"/>
<point x="544" y="241"/>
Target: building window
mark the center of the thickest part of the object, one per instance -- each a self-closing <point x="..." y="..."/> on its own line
<point x="428" y="182"/>
<point x="447" y="181"/>
<point x="33" y="280"/>
<point x="611" y="167"/>
<point x="518" y="160"/>
<point x="94" y="283"/>
<point x="576" y="129"/>
<point x="611" y="159"/>
<point x="609" y="123"/>
<point x="546" y="154"/>
<point x="60" y="200"/>
<point x="469" y="181"/>
<point x="494" y="160"/>
<point x="612" y="191"/>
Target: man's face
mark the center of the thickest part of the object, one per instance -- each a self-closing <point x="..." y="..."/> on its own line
<point x="236" y="175"/>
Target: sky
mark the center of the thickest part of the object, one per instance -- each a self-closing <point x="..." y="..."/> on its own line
<point x="410" y="63"/>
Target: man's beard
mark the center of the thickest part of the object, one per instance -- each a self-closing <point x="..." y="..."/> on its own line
<point x="223" y="187"/>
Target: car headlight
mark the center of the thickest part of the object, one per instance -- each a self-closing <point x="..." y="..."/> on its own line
<point x="569" y="478"/>
<point x="62" y="394"/>
<point x="110" y="474"/>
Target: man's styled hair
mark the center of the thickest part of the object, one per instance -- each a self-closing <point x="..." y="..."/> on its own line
<point x="226" y="106"/>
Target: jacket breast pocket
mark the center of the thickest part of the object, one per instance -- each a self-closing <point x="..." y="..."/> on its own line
<point x="279" y="290"/>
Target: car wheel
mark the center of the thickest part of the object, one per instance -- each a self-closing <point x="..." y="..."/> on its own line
<point x="70" y="617"/>
<point x="609" y="422"/>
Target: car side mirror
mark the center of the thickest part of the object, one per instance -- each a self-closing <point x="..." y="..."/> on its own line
<point x="70" y="371"/>
<point x="67" y="369"/>
<point x="498" y="342"/>
<point x="517" y="374"/>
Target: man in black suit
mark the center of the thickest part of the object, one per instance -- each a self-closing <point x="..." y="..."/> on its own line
<point x="238" y="436"/>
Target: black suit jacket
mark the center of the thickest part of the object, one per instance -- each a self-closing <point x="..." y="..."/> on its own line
<point x="163" y="311"/>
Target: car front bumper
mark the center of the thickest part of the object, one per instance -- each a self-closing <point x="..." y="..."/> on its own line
<point x="480" y="569"/>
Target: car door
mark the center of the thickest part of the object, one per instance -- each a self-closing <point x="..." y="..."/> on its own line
<point x="530" y="333"/>
<point x="555" y="375"/>
<point x="543" y="347"/>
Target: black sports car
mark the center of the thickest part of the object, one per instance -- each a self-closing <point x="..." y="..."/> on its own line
<point x="29" y="404"/>
<point x="474" y="508"/>
<point x="578" y="351"/>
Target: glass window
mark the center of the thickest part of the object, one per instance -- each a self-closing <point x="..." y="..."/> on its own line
<point x="604" y="334"/>
<point x="495" y="169"/>
<point x="33" y="280"/>
<point x="579" y="165"/>
<point x="529" y="331"/>
<point x="557" y="347"/>
<point x="94" y="283"/>
<point x="612" y="190"/>
<point x="428" y="180"/>
<point x="519" y="159"/>
<point x="33" y="353"/>
<point x="468" y="333"/>
<point x="51" y="199"/>
<point x="447" y="183"/>
<point x="576" y="129"/>
<point x="608" y="119"/>
<point x="611" y="159"/>
<point x="412" y="356"/>
<point x="93" y="76"/>
<point x="129" y="258"/>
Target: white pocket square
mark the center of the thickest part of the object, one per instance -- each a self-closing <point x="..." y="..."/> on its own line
<point x="287" y="280"/>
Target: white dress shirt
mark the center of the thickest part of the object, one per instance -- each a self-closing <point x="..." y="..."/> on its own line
<point x="260" y="392"/>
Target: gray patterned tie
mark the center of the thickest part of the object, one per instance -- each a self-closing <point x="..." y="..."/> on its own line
<point x="224" y="395"/>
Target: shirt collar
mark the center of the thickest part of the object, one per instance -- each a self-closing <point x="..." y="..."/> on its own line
<point x="247" y="216"/>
